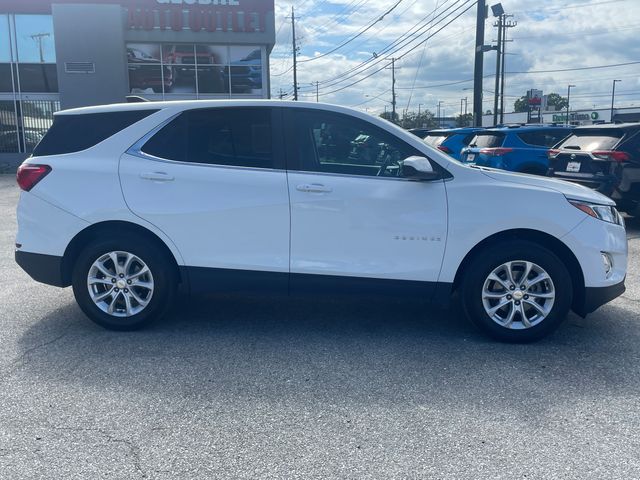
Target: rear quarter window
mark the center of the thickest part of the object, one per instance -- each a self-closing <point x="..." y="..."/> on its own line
<point x="74" y="133"/>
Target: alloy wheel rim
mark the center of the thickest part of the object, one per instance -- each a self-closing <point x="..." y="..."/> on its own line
<point x="120" y="284"/>
<point x="518" y="295"/>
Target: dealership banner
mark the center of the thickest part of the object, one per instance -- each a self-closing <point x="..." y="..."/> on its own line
<point x="196" y="15"/>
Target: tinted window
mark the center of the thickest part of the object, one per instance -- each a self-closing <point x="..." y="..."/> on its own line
<point x="73" y="133"/>
<point x="334" y="143"/>
<point x="234" y="137"/>
<point x="543" y="138"/>
<point x="467" y="139"/>
<point x="487" y="140"/>
<point x="595" y="139"/>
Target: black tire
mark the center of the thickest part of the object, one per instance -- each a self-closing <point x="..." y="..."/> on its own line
<point x="494" y="256"/>
<point x="164" y="280"/>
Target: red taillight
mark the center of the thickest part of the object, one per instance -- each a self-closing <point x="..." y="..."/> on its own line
<point x="611" y="155"/>
<point x="29" y="175"/>
<point x="444" y="149"/>
<point x="495" y="152"/>
<point x="552" y="153"/>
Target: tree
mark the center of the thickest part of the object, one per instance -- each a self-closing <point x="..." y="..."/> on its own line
<point x="424" y="120"/>
<point x="389" y="116"/>
<point x="464" y="120"/>
<point x="553" y="100"/>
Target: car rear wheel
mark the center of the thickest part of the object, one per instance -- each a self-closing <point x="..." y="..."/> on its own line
<point x="123" y="284"/>
<point x="517" y="291"/>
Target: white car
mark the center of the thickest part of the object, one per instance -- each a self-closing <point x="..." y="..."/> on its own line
<point x="127" y="203"/>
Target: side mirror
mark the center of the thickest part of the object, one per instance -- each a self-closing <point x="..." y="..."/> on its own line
<point x="418" y="168"/>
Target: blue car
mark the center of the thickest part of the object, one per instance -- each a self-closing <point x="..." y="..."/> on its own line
<point x="451" y="140"/>
<point x="521" y="148"/>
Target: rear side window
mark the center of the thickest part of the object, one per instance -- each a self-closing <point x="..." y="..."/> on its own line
<point x="231" y="137"/>
<point x="487" y="140"/>
<point x="543" y="138"/>
<point x="74" y="133"/>
<point x="593" y="139"/>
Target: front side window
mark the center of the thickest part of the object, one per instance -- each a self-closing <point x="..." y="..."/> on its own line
<point x="334" y="143"/>
<point x="231" y="137"/>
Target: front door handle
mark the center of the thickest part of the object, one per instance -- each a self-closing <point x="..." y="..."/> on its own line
<point x="314" y="188"/>
<point x="157" y="176"/>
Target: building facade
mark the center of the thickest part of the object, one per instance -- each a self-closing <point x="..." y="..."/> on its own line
<point x="70" y="53"/>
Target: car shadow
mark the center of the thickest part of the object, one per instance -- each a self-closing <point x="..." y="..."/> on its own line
<point x="222" y="349"/>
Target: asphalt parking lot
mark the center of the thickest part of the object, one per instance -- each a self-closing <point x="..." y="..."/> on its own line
<point x="233" y="387"/>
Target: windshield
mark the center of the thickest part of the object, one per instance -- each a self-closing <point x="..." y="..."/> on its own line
<point x="589" y="140"/>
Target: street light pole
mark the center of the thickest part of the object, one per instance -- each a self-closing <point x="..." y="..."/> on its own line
<point x="568" y="101"/>
<point x="613" y="97"/>
<point x="478" y="63"/>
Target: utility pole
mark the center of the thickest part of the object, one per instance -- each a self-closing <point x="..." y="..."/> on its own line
<point x="496" y="96"/>
<point x="393" y="89"/>
<point x="440" y="102"/>
<point x="295" y="53"/>
<point x="419" y="105"/>
<point x="613" y="97"/>
<point x="569" y="87"/>
<point x="478" y="63"/>
<point x="505" y="24"/>
<point x="281" y="94"/>
<point x="465" y="105"/>
<point x="316" y="83"/>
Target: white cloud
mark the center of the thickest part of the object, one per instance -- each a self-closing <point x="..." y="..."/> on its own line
<point x="550" y="35"/>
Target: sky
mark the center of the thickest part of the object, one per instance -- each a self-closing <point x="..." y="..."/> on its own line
<point x="550" y="35"/>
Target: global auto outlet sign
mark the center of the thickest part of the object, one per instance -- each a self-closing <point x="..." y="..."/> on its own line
<point x="200" y="15"/>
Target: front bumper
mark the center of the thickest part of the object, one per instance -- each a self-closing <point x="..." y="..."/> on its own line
<point x="42" y="268"/>
<point x="595" y="297"/>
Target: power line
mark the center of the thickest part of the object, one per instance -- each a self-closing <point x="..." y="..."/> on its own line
<point x="400" y="43"/>
<point x="361" y="32"/>
<point x="404" y="54"/>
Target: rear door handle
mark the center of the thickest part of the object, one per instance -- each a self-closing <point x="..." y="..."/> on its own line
<point x="314" y="188"/>
<point x="157" y="176"/>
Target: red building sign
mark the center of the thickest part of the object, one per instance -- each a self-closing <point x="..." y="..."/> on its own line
<point x="197" y="15"/>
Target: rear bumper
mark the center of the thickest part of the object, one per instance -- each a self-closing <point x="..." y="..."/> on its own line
<point x="42" y="268"/>
<point x="595" y="297"/>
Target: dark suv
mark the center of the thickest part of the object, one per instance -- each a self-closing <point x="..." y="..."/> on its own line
<point x="605" y="158"/>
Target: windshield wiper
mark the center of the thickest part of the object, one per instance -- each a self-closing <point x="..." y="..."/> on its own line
<point x="572" y="147"/>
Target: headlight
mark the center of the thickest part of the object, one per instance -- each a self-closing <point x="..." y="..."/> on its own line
<point x="606" y="213"/>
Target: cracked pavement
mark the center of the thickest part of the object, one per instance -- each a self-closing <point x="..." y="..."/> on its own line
<point x="232" y="387"/>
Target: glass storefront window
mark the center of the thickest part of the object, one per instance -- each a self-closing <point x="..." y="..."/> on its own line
<point x="34" y="39"/>
<point x="213" y="79"/>
<point x="143" y="53"/>
<point x="38" y="77"/>
<point x="246" y="69"/>
<point x="5" y="49"/>
<point x="188" y="70"/>
<point x="212" y="54"/>
<point x="6" y="83"/>
<point x="145" y="78"/>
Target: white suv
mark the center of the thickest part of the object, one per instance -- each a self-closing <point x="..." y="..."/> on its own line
<point x="128" y="202"/>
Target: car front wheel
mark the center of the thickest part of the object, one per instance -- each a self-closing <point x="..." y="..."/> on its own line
<point x="517" y="291"/>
